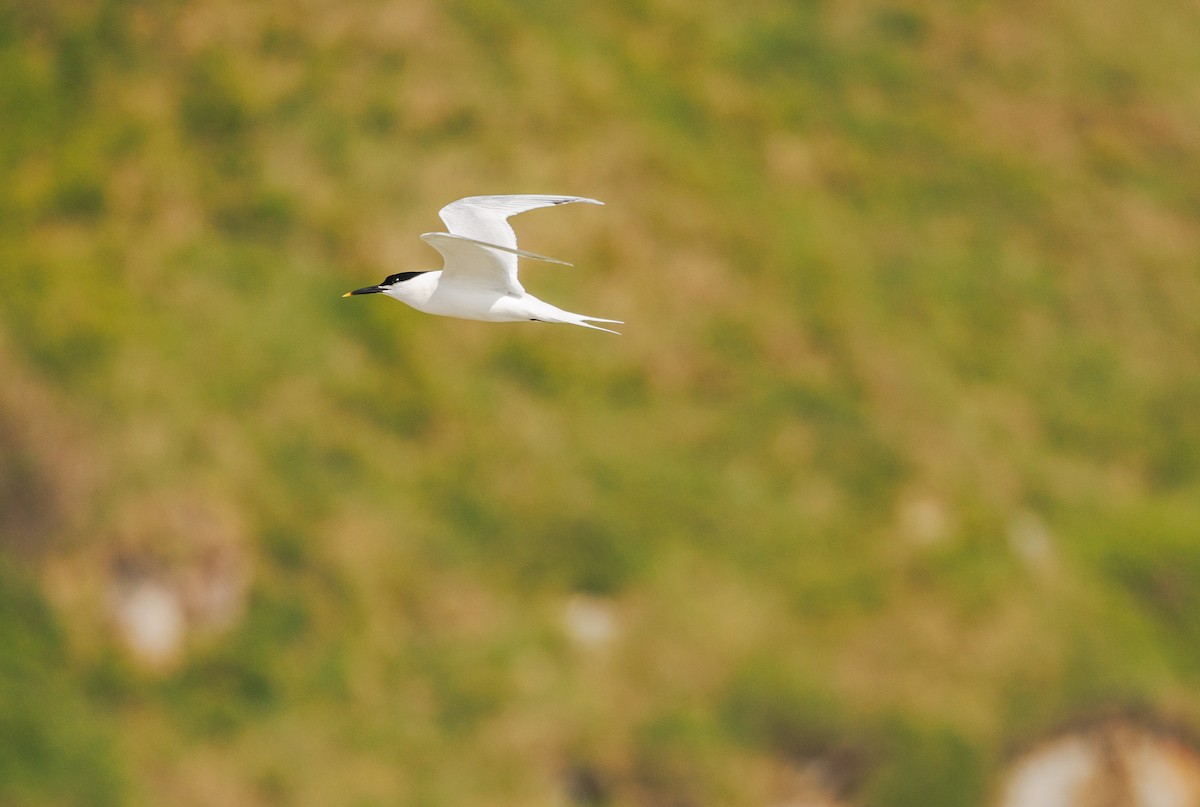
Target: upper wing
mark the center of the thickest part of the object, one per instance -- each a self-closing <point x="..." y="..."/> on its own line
<point x="481" y="249"/>
<point x="485" y="218"/>
<point x="472" y="263"/>
<point x="524" y="253"/>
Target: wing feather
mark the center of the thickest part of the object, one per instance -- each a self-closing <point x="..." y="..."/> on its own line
<point x="485" y="218"/>
<point x="481" y="248"/>
<point x="471" y="263"/>
<point x="524" y="253"/>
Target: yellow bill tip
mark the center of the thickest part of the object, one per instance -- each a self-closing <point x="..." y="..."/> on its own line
<point x="347" y="294"/>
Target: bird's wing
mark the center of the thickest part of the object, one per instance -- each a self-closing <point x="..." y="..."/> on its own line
<point x="481" y="248"/>
<point x="485" y="218"/>
<point x="524" y="253"/>
<point x="472" y="263"/>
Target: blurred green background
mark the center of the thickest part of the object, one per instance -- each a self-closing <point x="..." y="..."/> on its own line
<point x="895" y="468"/>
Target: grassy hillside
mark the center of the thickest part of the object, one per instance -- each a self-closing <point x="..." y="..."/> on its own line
<point x="894" y="469"/>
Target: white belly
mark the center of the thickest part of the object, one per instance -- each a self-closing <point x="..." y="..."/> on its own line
<point x="480" y="304"/>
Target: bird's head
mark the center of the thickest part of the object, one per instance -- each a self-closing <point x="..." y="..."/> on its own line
<point x="391" y="283"/>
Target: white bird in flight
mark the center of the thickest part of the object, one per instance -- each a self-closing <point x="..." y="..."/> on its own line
<point x="478" y="278"/>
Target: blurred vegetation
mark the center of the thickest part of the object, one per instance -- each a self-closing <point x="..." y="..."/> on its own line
<point x="895" y="467"/>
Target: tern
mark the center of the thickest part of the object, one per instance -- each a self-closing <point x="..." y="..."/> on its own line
<point x="478" y="278"/>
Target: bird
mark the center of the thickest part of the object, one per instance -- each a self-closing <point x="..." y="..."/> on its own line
<point x="478" y="278"/>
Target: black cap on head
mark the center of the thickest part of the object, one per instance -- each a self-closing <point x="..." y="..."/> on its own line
<point x="390" y="280"/>
<point x="399" y="277"/>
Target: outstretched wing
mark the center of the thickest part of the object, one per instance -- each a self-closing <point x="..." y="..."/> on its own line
<point x="524" y="253"/>
<point x="485" y="218"/>
<point x="470" y="263"/>
<point x="481" y="248"/>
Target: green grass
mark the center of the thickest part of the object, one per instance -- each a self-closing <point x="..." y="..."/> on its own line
<point x="900" y="282"/>
<point x="56" y="747"/>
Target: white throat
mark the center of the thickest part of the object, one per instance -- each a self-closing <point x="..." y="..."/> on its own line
<point x="415" y="291"/>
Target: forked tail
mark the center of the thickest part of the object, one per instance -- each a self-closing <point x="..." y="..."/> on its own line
<point x="586" y="322"/>
<point x="554" y="314"/>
